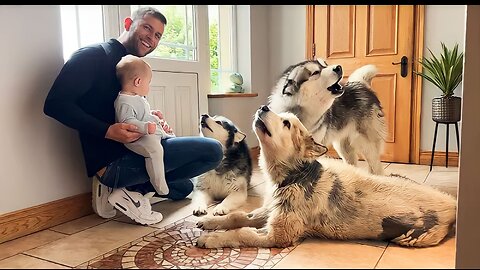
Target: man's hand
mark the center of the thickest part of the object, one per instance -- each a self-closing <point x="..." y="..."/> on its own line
<point x="122" y="132"/>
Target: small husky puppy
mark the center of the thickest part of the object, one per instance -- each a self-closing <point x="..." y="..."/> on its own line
<point x="313" y="196"/>
<point x="350" y="116"/>
<point x="230" y="180"/>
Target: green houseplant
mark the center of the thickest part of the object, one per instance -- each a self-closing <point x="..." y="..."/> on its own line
<point x="445" y="72"/>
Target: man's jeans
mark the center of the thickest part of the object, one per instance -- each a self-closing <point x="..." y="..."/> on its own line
<point x="184" y="158"/>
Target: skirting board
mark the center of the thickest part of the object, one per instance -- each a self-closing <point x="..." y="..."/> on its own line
<point x="33" y="219"/>
<point x="30" y="220"/>
<point x="439" y="158"/>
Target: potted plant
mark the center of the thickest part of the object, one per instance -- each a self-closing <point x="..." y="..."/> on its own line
<point x="445" y="72"/>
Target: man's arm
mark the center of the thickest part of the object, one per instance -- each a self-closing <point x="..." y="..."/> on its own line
<point x="75" y="79"/>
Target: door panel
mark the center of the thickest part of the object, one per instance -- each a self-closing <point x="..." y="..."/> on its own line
<point x="353" y="36"/>
<point x="176" y="95"/>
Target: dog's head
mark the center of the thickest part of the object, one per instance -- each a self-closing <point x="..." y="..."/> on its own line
<point x="314" y="75"/>
<point x="222" y="129"/>
<point x="284" y="138"/>
<point x="310" y="85"/>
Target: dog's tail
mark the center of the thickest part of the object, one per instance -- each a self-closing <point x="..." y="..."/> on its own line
<point x="364" y="74"/>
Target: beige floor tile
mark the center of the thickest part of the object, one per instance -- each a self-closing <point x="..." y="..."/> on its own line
<point x="257" y="177"/>
<point x="80" y="224"/>
<point x="444" y="169"/>
<point x="258" y="190"/>
<point x="319" y="253"/>
<point x="90" y="243"/>
<point x="22" y="244"/>
<point x="441" y="256"/>
<point x="363" y="164"/>
<point x="415" y="172"/>
<point x="22" y="261"/>
<point x="446" y="181"/>
<point x="171" y="211"/>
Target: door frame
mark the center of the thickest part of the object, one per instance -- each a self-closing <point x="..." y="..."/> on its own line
<point x="416" y="88"/>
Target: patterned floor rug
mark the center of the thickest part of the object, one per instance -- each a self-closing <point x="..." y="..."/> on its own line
<point x="173" y="247"/>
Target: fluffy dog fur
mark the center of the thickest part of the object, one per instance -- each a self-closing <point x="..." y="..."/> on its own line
<point x="328" y="198"/>
<point x="230" y="180"/>
<point x="349" y="117"/>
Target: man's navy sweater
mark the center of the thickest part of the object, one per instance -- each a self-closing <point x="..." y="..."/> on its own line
<point x="82" y="98"/>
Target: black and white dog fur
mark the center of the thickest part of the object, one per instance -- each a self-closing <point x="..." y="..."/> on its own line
<point x="230" y="180"/>
<point x="349" y="117"/>
<point x="313" y="196"/>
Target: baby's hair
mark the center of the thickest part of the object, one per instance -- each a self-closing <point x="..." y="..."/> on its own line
<point x="131" y="66"/>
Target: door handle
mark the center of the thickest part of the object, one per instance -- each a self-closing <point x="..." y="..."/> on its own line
<point x="403" y="66"/>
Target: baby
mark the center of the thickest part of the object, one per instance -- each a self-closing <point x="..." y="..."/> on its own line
<point x="132" y="107"/>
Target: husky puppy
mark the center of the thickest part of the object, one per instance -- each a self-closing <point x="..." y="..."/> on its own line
<point x="230" y="180"/>
<point x="328" y="198"/>
<point x="349" y="117"/>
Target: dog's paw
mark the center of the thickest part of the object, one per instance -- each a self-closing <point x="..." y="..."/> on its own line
<point x="208" y="223"/>
<point x="220" y="210"/>
<point x="200" y="211"/>
<point x="208" y="240"/>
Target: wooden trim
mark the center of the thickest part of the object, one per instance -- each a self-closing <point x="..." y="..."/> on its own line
<point x="310" y="9"/>
<point x="438" y="158"/>
<point x="229" y="95"/>
<point x="417" y="85"/>
<point x="254" y="152"/>
<point x="26" y="221"/>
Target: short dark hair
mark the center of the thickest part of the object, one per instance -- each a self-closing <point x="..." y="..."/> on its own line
<point x="141" y="12"/>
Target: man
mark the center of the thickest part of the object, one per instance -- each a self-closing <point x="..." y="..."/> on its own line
<point x="82" y="98"/>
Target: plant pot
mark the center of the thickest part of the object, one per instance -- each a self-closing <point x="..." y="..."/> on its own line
<point x="446" y="109"/>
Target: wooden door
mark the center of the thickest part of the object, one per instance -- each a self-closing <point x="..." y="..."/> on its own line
<point x="357" y="35"/>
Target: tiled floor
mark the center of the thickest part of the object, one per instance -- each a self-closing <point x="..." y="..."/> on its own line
<point x="93" y="242"/>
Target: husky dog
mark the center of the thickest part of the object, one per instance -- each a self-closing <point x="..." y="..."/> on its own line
<point x="349" y="117"/>
<point x="230" y="180"/>
<point x="328" y="198"/>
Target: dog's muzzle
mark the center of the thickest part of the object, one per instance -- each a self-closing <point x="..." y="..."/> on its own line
<point x="203" y="121"/>
<point x="336" y="88"/>
<point x="259" y="124"/>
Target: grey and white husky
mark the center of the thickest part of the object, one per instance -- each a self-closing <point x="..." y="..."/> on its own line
<point x="230" y="180"/>
<point x="349" y="117"/>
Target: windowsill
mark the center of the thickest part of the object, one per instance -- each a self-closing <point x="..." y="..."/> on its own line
<point x="229" y="95"/>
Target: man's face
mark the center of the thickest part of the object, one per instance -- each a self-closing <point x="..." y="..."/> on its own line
<point x="144" y="35"/>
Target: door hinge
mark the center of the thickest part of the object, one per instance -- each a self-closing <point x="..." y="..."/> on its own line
<point x="313" y="50"/>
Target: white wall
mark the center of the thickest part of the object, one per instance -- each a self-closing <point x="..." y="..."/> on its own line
<point x="442" y="24"/>
<point x="287" y="36"/>
<point x="41" y="159"/>
<point x="274" y="40"/>
<point x="253" y="54"/>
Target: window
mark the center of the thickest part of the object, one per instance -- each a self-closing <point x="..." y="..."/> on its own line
<point x="223" y="53"/>
<point x="178" y="40"/>
<point x="81" y="26"/>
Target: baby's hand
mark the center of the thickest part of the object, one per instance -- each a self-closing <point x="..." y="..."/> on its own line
<point x="152" y="127"/>
<point x="166" y="127"/>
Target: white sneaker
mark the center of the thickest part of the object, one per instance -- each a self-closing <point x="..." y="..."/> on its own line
<point x="135" y="206"/>
<point x="100" y="203"/>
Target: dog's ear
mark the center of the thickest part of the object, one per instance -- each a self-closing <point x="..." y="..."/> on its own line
<point x="239" y="136"/>
<point x="315" y="150"/>
<point x="294" y="80"/>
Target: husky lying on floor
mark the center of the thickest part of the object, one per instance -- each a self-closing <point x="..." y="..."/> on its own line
<point x="349" y="117"/>
<point x="328" y="198"/>
<point x="230" y="180"/>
